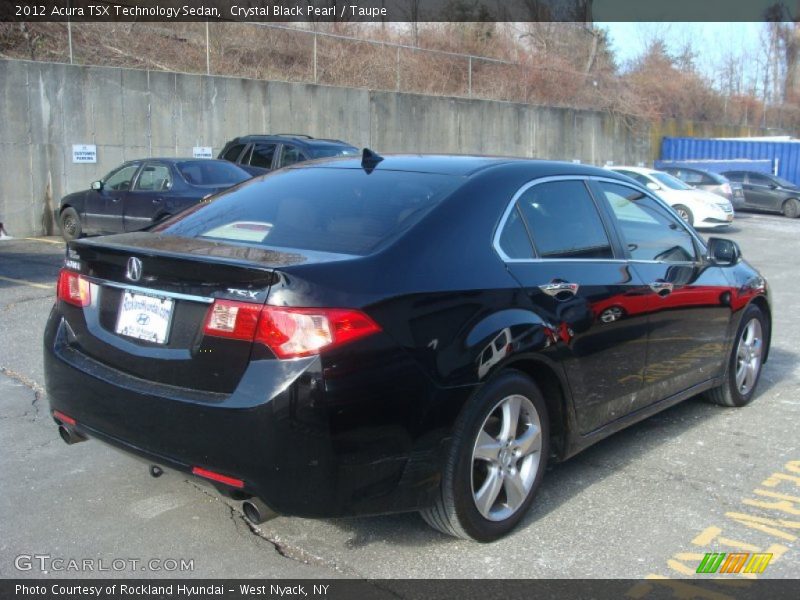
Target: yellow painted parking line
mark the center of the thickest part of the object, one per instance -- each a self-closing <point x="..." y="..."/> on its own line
<point x="40" y="286"/>
<point x="46" y="241"/>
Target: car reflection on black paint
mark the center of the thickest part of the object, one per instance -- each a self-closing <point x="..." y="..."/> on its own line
<point x="388" y="334"/>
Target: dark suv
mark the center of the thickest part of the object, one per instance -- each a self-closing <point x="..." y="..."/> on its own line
<point x="259" y="154"/>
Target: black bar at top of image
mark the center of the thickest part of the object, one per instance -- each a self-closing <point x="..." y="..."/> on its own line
<point x="399" y="10"/>
<point x="397" y="589"/>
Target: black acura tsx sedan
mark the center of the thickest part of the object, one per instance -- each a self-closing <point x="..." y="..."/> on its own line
<point x="383" y="334"/>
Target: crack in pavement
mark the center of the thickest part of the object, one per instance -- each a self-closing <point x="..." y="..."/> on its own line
<point x="282" y="548"/>
<point x="38" y="390"/>
<point x="10" y="305"/>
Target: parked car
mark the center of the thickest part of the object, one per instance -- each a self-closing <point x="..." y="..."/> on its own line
<point x="259" y="154"/>
<point x="322" y="342"/>
<point x="710" y="182"/>
<point x="768" y="192"/>
<point x="699" y="208"/>
<point x="142" y="192"/>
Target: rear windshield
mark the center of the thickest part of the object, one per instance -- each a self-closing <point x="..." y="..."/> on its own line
<point x="327" y="151"/>
<point x="669" y="181"/>
<point x="344" y="211"/>
<point x="211" y="173"/>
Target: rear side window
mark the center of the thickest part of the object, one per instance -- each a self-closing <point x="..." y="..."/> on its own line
<point x="262" y="155"/>
<point x="330" y="210"/>
<point x="211" y="173"/>
<point x="233" y="152"/>
<point x="649" y="231"/>
<point x="514" y="240"/>
<point x="738" y="177"/>
<point x="563" y="221"/>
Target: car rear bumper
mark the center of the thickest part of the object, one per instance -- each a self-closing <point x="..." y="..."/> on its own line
<point x="295" y="447"/>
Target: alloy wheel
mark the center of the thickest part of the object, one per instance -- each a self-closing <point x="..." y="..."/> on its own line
<point x="748" y="356"/>
<point x="506" y="457"/>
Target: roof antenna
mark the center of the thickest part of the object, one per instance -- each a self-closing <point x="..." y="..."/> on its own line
<point x="370" y="160"/>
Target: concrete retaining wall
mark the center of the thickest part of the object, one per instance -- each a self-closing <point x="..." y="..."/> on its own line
<point x="128" y="114"/>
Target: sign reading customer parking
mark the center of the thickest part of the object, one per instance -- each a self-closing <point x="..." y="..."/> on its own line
<point x="202" y="152"/>
<point x="84" y="153"/>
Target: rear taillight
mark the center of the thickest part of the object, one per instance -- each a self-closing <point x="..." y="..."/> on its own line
<point x="73" y="288"/>
<point x="726" y="188"/>
<point x="288" y="332"/>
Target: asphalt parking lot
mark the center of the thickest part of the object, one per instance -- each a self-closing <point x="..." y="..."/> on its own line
<point x="649" y="501"/>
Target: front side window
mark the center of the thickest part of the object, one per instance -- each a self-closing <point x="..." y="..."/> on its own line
<point x="757" y="179"/>
<point x="649" y="231"/>
<point x="290" y="155"/>
<point x="154" y="178"/>
<point x="563" y="221"/>
<point x="120" y="180"/>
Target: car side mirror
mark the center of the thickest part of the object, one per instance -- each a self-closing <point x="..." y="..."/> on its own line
<point x="651" y="185"/>
<point x="723" y="251"/>
<point x="97" y="185"/>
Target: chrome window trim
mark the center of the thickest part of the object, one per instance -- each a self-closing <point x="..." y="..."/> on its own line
<point x="512" y="203"/>
<point x="150" y="291"/>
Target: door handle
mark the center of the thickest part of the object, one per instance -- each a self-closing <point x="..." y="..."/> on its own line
<point x="661" y="287"/>
<point x="157" y="200"/>
<point x="556" y="288"/>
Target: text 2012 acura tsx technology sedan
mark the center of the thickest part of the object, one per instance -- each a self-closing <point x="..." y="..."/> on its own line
<point x="376" y="335"/>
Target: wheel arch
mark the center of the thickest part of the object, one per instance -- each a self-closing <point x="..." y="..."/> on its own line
<point x="556" y="396"/>
<point x="763" y="305"/>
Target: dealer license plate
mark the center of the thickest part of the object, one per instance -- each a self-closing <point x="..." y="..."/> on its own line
<point x="145" y="317"/>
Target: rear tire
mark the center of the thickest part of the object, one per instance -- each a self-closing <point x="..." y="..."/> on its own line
<point x="684" y="213"/>
<point x="70" y="223"/>
<point x="791" y="208"/>
<point x="745" y="361"/>
<point x="495" y="462"/>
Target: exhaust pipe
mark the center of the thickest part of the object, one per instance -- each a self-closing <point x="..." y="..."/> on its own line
<point x="257" y="512"/>
<point x="69" y="436"/>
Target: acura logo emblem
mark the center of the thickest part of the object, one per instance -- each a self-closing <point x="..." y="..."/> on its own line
<point x="134" y="270"/>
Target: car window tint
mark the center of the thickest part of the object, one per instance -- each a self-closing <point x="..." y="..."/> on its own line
<point x="233" y="152"/>
<point x="290" y="155"/>
<point x="563" y="221"/>
<point x="346" y="211"/>
<point x="121" y="180"/>
<point x="635" y="176"/>
<point x="735" y="176"/>
<point x="692" y="177"/>
<point x="211" y="173"/>
<point x="326" y="151"/>
<point x="649" y="231"/>
<point x="514" y="240"/>
<point x="758" y="179"/>
<point x="154" y="178"/>
<point x="262" y="156"/>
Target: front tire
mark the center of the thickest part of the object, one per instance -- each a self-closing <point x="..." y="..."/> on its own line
<point x="684" y="213"/>
<point x="495" y="462"/>
<point x="791" y="208"/>
<point x="745" y="362"/>
<point x="70" y="223"/>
